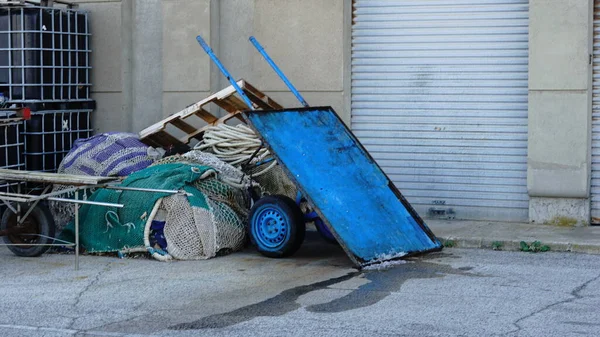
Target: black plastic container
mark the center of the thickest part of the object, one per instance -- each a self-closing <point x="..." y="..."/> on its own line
<point x="49" y="136"/>
<point x="44" y="54"/>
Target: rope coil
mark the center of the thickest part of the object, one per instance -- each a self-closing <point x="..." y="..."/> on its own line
<point x="235" y="145"/>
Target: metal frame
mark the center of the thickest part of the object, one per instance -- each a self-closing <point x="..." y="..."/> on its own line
<point x="110" y="183"/>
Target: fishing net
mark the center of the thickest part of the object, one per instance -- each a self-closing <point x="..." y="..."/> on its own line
<point x="275" y="181"/>
<point x="107" y="154"/>
<point x="198" y="225"/>
<point x="229" y="187"/>
<point x="240" y="147"/>
<point x="197" y="232"/>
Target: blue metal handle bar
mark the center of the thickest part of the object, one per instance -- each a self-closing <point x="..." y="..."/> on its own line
<point x="215" y="59"/>
<point x="287" y="82"/>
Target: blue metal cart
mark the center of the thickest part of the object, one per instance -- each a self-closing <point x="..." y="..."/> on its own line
<point x="350" y="194"/>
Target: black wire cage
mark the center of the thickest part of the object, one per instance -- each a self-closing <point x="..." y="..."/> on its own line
<point x="50" y="134"/>
<point x="44" y="53"/>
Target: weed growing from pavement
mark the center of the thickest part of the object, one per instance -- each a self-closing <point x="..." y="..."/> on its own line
<point x="497" y="245"/>
<point x="534" y="247"/>
<point x="449" y="243"/>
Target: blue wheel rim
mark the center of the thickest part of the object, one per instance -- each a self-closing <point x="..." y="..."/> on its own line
<point x="271" y="228"/>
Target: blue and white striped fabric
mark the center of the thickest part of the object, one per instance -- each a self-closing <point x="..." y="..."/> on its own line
<point x="107" y="154"/>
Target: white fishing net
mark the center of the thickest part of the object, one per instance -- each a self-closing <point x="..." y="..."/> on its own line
<point x="199" y="233"/>
<point x="275" y="181"/>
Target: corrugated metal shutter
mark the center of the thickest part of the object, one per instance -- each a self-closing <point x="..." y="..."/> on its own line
<point x="595" y="192"/>
<point x="439" y="98"/>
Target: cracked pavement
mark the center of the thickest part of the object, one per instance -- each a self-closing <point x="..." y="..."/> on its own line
<point x="457" y="292"/>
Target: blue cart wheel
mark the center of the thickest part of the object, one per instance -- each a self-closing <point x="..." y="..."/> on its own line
<point x="276" y="226"/>
<point x="324" y="231"/>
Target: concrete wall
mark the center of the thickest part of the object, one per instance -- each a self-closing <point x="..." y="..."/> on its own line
<point x="560" y="83"/>
<point x="147" y="63"/>
<point x="109" y="63"/>
<point x="304" y="37"/>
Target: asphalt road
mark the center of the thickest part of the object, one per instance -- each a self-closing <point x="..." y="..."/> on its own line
<point x="315" y="293"/>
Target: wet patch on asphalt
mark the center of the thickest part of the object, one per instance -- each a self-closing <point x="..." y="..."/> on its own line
<point x="382" y="284"/>
<point x="275" y="306"/>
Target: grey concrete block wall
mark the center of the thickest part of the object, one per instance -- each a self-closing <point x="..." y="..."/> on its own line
<point x="107" y="64"/>
<point x="147" y="63"/>
<point x="305" y="38"/>
<point x="559" y="44"/>
<point x="184" y="67"/>
<point x="558" y="164"/>
<point x="560" y="89"/>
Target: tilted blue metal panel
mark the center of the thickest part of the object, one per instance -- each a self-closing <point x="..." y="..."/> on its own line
<point x="357" y="201"/>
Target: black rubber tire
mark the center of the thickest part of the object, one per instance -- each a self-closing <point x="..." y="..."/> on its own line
<point x="40" y="221"/>
<point x="293" y="223"/>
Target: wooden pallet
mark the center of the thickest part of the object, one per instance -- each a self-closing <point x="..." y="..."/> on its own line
<point x="227" y="99"/>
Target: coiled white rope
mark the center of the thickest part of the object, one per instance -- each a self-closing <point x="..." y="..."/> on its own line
<point x="235" y="145"/>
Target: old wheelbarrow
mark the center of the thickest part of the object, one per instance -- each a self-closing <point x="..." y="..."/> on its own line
<point x="348" y="191"/>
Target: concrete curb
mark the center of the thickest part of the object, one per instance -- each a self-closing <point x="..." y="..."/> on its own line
<point x="515" y="245"/>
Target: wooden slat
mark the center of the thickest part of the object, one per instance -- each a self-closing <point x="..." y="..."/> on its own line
<point x="188" y="111"/>
<point x="258" y="101"/>
<point x="230" y="116"/>
<point x="225" y="105"/>
<point x="205" y="115"/>
<point x="251" y="88"/>
<point x="273" y="104"/>
<point x="262" y="96"/>
<point x="197" y="134"/>
<point x="156" y="135"/>
<point x="55" y="178"/>
<point x="149" y="140"/>
<point x="183" y="126"/>
<point x="238" y="103"/>
<point x="165" y="139"/>
<point x="200" y="132"/>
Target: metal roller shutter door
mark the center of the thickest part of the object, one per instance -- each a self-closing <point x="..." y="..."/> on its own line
<point x="439" y="98"/>
<point x="595" y="188"/>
